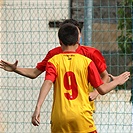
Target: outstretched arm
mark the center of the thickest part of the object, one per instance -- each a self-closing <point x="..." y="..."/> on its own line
<point x="43" y="93"/>
<point x="119" y="80"/>
<point x="12" y="67"/>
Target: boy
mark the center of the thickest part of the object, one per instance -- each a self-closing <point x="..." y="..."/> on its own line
<point x="71" y="72"/>
<point x="87" y="51"/>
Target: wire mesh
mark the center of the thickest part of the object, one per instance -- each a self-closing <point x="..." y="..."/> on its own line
<point x="27" y="37"/>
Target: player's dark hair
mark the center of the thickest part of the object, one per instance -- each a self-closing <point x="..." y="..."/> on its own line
<point x="72" y="21"/>
<point x="68" y="34"/>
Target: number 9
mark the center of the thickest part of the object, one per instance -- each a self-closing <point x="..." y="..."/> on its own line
<point x="70" y="84"/>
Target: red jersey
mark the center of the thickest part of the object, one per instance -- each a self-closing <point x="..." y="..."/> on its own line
<point x="71" y="110"/>
<point x="87" y="51"/>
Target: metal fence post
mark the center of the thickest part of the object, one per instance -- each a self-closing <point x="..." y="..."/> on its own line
<point x="88" y="4"/>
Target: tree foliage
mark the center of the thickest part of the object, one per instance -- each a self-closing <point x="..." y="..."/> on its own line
<point x="125" y="26"/>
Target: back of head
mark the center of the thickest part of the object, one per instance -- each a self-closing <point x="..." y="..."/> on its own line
<point x="72" y="21"/>
<point x="68" y="34"/>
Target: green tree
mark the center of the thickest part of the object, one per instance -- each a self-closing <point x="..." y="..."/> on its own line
<point x="125" y="27"/>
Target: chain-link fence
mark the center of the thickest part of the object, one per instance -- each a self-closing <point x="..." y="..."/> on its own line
<point x="27" y="35"/>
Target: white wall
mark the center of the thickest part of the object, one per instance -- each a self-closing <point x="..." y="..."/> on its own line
<point x="26" y="37"/>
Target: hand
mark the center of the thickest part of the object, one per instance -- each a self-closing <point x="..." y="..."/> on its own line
<point x="93" y="95"/>
<point x="36" y="117"/>
<point x="8" y="66"/>
<point x="122" y="78"/>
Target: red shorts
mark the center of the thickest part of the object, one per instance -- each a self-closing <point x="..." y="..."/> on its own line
<point x="94" y="131"/>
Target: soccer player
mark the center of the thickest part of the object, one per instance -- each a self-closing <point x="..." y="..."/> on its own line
<point x="87" y="51"/>
<point x="70" y="73"/>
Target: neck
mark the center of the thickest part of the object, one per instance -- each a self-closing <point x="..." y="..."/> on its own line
<point x="70" y="48"/>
